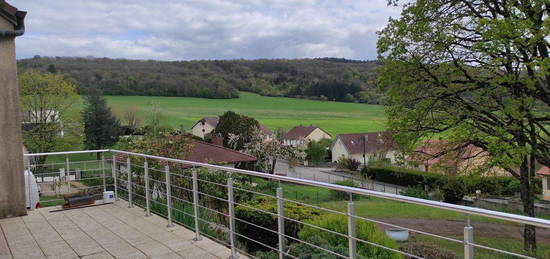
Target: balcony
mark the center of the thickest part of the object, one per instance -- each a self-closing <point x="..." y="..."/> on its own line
<point x="107" y="231"/>
<point x="174" y="208"/>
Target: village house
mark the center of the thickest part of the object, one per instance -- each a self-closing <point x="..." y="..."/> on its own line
<point x="544" y="173"/>
<point x="440" y="156"/>
<point x="299" y="136"/>
<point x="206" y="125"/>
<point x="364" y="147"/>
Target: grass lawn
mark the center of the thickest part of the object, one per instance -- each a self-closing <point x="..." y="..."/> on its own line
<point x="48" y="201"/>
<point x="273" y="112"/>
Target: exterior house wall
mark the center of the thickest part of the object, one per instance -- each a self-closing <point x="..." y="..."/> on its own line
<point x="339" y="150"/>
<point x="201" y="130"/>
<point x="546" y="188"/>
<point x="12" y="181"/>
<point x="317" y="135"/>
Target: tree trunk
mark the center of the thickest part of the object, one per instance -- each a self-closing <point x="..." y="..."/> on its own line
<point x="528" y="200"/>
<point x="273" y="165"/>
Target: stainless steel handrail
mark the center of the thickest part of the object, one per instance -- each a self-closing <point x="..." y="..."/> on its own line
<point x="436" y="204"/>
<point x="351" y="190"/>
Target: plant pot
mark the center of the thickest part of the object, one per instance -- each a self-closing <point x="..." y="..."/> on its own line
<point x="397" y="234"/>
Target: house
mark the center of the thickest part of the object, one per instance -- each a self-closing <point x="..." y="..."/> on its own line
<point x="203" y="152"/>
<point x="12" y="181"/>
<point x="206" y="125"/>
<point x="364" y="147"/>
<point x="32" y="119"/>
<point x="301" y="135"/>
<point x="441" y="156"/>
<point x="544" y="172"/>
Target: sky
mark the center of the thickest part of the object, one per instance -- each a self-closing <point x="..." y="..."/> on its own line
<point x="203" y="29"/>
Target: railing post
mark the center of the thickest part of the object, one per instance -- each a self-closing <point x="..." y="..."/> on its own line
<point x="115" y="182"/>
<point x="352" y="243"/>
<point x="168" y="195"/>
<point x="196" y="205"/>
<point x="129" y="182"/>
<point x="468" y="240"/>
<point x="68" y="174"/>
<point x="28" y="187"/>
<point x="280" y="222"/>
<point x="147" y="194"/>
<point x="103" y="172"/>
<point x="231" y="201"/>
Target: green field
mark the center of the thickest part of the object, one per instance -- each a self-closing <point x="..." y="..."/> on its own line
<point x="273" y="112"/>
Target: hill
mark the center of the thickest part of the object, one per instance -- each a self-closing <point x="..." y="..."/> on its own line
<point x="273" y="112"/>
<point x="325" y="79"/>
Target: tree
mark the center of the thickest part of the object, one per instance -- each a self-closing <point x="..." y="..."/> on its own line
<point x="131" y="119"/>
<point x="267" y="152"/>
<point x="233" y="124"/>
<point x="317" y="150"/>
<point x="48" y="100"/>
<point x="477" y="73"/>
<point x="101" y="127"/>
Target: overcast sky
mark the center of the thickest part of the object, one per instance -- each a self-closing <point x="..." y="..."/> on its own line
<point x="203" y="29"/>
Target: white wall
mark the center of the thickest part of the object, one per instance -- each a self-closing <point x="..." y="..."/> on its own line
<point x="200" y="131"/>
<point x="339" y="150"/>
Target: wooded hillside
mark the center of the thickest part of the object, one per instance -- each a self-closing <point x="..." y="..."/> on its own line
<point x="325" y="79"/>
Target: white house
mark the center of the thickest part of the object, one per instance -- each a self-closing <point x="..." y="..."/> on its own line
<point x="206" y="125"/>
<point x="301" y="135"/>
<point x="364" y="147"/>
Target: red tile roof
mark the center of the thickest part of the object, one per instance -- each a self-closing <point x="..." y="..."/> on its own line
<point x="299" y="132"/>
<point x="203" y="152"/>
<point x="544" y="171"/>
<point x="434" y="151"/>
<point x="376" y="141"/>
<point x="209" y="153"/>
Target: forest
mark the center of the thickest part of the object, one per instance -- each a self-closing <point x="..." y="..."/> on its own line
<point x="328" y="79"/>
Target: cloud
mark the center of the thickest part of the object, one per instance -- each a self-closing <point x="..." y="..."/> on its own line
<point x="203" y="29"/>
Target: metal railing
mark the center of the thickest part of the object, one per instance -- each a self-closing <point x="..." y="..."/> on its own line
<point x="173" y="188"/>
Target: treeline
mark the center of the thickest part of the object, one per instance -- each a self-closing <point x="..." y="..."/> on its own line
<point x="331" y="79"/>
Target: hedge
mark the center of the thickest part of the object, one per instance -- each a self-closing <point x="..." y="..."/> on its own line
<point x="492" y="185"/>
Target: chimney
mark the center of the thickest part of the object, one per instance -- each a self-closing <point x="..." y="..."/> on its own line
<point x="217" y="140"/>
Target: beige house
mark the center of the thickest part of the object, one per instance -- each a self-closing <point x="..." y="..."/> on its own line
<point x="364" y="147"/>
<point x="206" y="125"/>
<point x="301" y="135"/>
<point x="544" y="172"/>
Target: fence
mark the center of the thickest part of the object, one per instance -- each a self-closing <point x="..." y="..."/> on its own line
<point x="207" y="199"/>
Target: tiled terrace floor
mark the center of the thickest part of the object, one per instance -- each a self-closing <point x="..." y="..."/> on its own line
<point x="106" y="231"/>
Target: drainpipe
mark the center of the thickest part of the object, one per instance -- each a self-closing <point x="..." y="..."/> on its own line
<point x="19" y="28"/>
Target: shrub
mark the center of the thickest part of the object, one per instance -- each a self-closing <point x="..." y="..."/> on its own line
<point x="264" y="215"/>
<point x="348" y="163"/>
<point x="453" y="190"/>
<point x="492" y="185"/>
<point x="415" y="191"/>
<point x="365" y="230"/>
<point x="405" y="177"/>
<point x="339" y="195"/>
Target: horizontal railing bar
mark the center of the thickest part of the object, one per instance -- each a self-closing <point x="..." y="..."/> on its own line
<point x="384" y="247"/>
<point x="214" y="183"/>
<point x="408" y="229"/>
<point x="182" y="200"/>
<point x="316" y="207"/>
<point x="316" y="246"/>
<point x="435" y="204"/>
<point x="66" y="153"/>
<point x="213" y="197"/>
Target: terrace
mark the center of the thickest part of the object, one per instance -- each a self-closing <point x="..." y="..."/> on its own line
<point x="174" y="208"/>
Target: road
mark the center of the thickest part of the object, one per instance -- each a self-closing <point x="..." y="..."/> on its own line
<point x="329" y="175"/>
